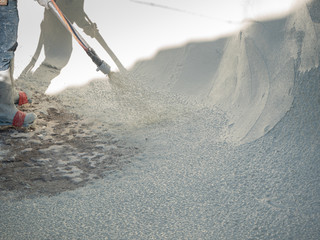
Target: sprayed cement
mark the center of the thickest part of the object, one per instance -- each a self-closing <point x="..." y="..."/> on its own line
<point x="249" y="75"/>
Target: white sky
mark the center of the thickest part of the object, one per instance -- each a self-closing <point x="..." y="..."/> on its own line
<point x="135" y="30"/>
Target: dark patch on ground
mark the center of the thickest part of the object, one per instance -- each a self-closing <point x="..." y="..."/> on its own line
<point x="60" y="152"/>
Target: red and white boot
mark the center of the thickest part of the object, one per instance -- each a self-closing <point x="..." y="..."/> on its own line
<point x="9" y="114"/>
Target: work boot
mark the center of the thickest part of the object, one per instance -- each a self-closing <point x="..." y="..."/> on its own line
<point x="9" y="114"/>
<point x="19" y="97"/>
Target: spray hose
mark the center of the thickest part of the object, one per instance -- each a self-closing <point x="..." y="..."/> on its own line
<point x="102" y="66"/>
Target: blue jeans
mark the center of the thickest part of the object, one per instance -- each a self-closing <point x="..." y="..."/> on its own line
<point x="9" y="20"/>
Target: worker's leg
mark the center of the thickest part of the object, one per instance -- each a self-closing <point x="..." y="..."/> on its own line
<point x="9" y="114"/>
